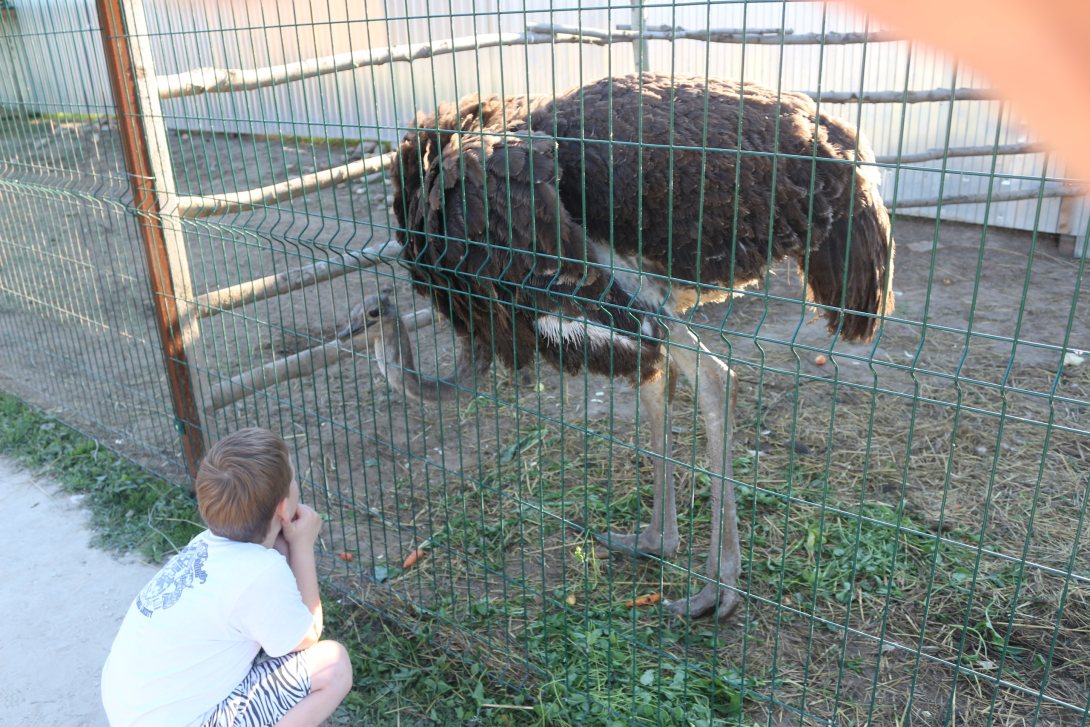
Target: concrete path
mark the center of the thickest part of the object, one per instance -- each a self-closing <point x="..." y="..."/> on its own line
<point x="61" y="604"/>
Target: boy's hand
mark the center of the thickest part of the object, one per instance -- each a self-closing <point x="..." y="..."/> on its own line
<point x="281" y="544"/>
<point x="303" y="529"/>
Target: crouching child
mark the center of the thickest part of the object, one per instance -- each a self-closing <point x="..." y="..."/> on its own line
<point x="228" y="632"/>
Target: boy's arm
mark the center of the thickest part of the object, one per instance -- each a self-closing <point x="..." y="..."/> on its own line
<point x="303" y="565"/>
<point x="301" y="533"/>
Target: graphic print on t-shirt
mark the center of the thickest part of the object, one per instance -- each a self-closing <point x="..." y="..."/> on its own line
<point x="180" y="573"/>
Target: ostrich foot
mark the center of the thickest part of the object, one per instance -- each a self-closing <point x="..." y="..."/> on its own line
<point x="646" y="544"/>
<point x="712" y="596"/>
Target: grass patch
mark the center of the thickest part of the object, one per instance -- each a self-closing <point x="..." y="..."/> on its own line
<point x="859" y="599"/>
<point x="607" y="668"/>
<point x="511" y="620"/>
<point x="401" y="677"/>
<point x="131" y="509"/>
<point x="587" y="667"/>
<point x="69" y="117"/>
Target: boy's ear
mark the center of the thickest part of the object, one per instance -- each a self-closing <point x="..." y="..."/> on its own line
<point x="282" y="510"/>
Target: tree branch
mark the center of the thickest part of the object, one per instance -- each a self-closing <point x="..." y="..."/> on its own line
<point x="224" y="299"/>
<point x="299" y="364"/>
<point x="228" y="202"/>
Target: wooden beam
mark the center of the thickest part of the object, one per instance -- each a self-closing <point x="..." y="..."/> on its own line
<point x="299" y="364"/>
<point x="758" y="36"/>
<point x="215" y="80"/>
<point x="228" y="202"/>
<point x="218" y="301"/>
<point x="927" y="96"/>
<point x="960" y="151"/>
<point x="151" y="179"/>
<point x="1014" y="195"/>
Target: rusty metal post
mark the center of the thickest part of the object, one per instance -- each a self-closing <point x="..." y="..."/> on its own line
<point x="151" y="178"/>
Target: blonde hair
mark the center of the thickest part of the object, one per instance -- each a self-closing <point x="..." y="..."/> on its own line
<point x="241" y="481"/>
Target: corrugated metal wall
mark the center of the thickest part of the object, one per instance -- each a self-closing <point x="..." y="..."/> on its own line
<point x="10" y="88"/>
<point x="377" y="102"/>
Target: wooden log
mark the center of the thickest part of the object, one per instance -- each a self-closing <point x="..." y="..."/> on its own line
<point x="961" y="151"/>
<point x="641" y="55"/>
<point x="217" y="80"/>
<point x="931" y="95"/>
<point x="214" y="80"/>
<point x="758" y="36"/>
<point x="298" y="364"/>
<point x="223" y="299"/>
<point x="750" y="31"/>
<point x="221" y="204"/>
<point x="1014" y="195"/>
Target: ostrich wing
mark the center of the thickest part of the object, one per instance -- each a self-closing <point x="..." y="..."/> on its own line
<point x="488" y="237"/>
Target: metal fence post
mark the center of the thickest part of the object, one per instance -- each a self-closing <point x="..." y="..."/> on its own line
<point x="151" y="178"/>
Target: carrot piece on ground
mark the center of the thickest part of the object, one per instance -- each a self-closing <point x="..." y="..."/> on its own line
<point x="413" y="558"/>
<point x="649" y="599"/>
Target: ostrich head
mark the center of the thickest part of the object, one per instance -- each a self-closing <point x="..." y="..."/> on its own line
<point x="377" y="315"/>
<point x="378" y="319"/>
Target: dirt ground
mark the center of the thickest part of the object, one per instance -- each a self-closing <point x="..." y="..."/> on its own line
<point x="953" y="446"/>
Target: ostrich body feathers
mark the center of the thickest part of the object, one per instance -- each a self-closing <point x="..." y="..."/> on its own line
<point x="515" y="214"/>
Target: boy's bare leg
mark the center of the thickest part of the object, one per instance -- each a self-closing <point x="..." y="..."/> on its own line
<point x="330" y="680"/>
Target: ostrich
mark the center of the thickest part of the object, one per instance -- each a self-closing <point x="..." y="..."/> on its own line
<point x="516" y="214"/>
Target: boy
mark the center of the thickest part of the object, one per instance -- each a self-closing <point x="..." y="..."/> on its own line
<point x="227" y="633"/>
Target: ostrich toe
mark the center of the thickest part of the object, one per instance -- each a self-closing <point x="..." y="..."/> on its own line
<point x="646" y="544"/>
<point x="712" y="596"/>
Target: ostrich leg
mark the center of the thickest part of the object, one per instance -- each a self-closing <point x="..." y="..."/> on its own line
<point x="715" y="395"/>
<point x="660" y="537"/>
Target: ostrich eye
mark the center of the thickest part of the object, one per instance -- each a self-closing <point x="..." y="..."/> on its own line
<point x="373" y="313"/>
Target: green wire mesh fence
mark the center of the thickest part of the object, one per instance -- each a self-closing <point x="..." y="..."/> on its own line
<point x="241" y="244"/>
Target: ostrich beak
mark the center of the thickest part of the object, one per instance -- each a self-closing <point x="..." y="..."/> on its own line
<point x="367" y="314"/>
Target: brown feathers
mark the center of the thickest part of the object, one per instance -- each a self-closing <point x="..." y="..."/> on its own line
<point x="702" y="182"/>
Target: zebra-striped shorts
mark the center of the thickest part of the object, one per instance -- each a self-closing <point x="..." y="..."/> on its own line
<point x="268" y="692"/>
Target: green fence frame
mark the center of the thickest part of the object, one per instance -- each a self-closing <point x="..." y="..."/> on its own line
<point x="911" y="509"/>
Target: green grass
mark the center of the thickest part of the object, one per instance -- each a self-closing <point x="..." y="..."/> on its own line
<point x="600" y="675"/>
<point x="401" y="677"/>
<point x="132" y="510"/>
<point x="594" y="670"/>
<point x="588" y="660"/>
<point x="602" y="672"/>
<point x="404" y="678"/>
<point x="817" y="558"/>
<point x="68" y="117"/>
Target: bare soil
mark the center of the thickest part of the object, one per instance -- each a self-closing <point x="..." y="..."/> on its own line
<point x="912" y="510"/>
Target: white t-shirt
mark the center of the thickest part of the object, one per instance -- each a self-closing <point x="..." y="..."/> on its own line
<point x="191" y="634"/>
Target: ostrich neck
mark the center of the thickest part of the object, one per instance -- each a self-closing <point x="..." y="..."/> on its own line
<point x="395" y="361"/>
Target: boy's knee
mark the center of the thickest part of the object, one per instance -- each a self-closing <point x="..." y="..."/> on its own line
<point x="343" y="667"/>
<point x="331" y="667"/>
